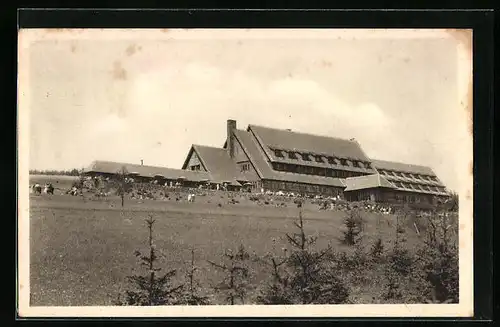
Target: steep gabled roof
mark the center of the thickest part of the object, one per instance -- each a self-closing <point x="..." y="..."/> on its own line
<point x="366" y="182"/>
<point x="309" y="143"/>
<point x="402" y="167"/>
<point x="111" y="167"/>
<point x="218" y="163"/>
<point x="264" y="170"/>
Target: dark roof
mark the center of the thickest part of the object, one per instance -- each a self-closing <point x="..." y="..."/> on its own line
<point x="256" y="156"/>
<point x="218" y="163"/>
<point x="264" y="170"/>
<point x="294" y="141"/>
<point x="111" y="167"/>
<point x="399" y="178"/>
<point x="419" y="188"/>
<point x="366" y="182"/>
<point x="402" y="167"/>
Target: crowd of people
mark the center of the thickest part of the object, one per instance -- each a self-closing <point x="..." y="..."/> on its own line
<point x="101" y="187"/>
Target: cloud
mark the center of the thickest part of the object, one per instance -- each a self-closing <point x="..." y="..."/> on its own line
<point x="191" y="106"/>
<point x="109" y="124"/>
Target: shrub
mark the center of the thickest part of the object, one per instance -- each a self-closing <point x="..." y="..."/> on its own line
<point x="235" y="283"/>
<point x="150" y="289"/>
<point x="353" y="225"/>
<point x="377" y="249"/>
<point x="309" y="276"/>
<point x="438" y="260"/>
<point x="277" y="291"/>
<point x="192" y="292"/>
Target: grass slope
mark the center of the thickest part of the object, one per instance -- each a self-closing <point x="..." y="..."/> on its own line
<point x="81" y="252"/>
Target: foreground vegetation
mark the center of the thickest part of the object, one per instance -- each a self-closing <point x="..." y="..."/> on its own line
<point x="304" y="275"/>
<point x="86" y="252"/>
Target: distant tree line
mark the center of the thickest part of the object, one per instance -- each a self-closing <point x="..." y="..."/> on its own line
<point x="72" y="172"/>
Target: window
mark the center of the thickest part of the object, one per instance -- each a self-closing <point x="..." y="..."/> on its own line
<point x="245" y="166"/>
<point x="305" y="156"/>
<point x="331" y="160"/>
<point x="318" y="159"/>
<point x="292" y="155"/>
<point x="195" y="167"/>
<point x="343" y="162"/>
<point x="278" y="153"/>
<point x="355" y="163"/>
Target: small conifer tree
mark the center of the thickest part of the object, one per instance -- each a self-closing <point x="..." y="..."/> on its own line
<point x="151" y="289"/>
<point x="192" y="294"/>
<point x="352" y="222"/>
<point x="308" y="277"/>
<point x="235" y="284"/>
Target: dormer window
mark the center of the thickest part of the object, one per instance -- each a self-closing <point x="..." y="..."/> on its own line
<point x="305" y="156"/>
<point x="331" y="160"/>
<point x="292" y="155"/>
<point x="278" y="153"/>
<point x="318" y="159"/>
<point x="343" y="162"/>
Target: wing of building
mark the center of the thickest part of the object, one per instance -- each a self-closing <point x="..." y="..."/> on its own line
<point x="263" y="158"/>
<point x="276" y="159"/>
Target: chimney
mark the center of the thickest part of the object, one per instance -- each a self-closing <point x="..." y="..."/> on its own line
<point x="142" y="162"/>
<point x="231" y="126"/>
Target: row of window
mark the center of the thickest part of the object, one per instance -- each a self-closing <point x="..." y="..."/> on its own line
<point x="412" y="198"/>
<point x="320" y="158"/>
<point x="317" y="171"/>
<point x="303" y="188"/>
<point x="426" y="178"/>
<point x="418" y="187"/>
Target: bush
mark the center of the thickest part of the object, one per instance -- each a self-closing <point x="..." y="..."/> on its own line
<point x="438" y="261"/>
<point x="150" y="289"/>
<point x="377" y="249"/>
<point x="192" y="295"/>
<point x="308" y="276"/>
<point x="353" y="224"/>
<point x="235" y="282"/>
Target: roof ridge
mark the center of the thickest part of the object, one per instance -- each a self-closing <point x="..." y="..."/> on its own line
<point x="400" y="162"/>
<point x="206" y="146"/>
<point x="139" y="165"/>
<point x="304" y="133"/>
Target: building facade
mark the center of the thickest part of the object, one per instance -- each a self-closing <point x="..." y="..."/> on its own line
<point x="262" y="158"/>
<point x="284" y="160"/>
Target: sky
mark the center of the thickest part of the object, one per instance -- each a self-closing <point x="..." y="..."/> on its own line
<point x="131" y="95"/>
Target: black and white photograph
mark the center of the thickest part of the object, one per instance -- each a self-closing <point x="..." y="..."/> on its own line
<point x="245" y="172"/>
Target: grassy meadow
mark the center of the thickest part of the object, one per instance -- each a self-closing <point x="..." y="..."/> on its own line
<point x="82" y="249"/>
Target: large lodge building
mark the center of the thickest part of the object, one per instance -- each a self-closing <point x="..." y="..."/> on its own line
<point x="262" y="158"/>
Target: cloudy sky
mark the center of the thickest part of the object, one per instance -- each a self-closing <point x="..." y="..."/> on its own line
<point x="127" y="96"/>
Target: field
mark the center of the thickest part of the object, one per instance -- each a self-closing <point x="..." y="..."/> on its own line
<point x="81" y="250"/>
